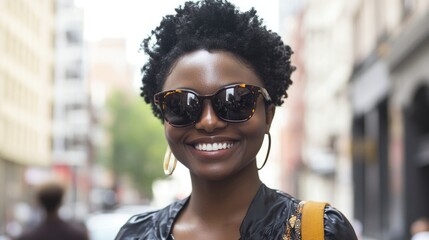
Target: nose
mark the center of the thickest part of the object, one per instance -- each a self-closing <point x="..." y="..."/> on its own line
<point x="209" y="121"/>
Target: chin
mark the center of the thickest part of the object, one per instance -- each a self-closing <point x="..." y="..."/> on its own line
<point x="216" y="174"/>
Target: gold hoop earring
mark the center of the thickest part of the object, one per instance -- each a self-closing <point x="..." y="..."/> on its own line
<point x="268" y="151"/>
<point x="170" y="162"/>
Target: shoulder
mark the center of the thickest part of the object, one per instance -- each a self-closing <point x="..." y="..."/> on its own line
<point x="277" y="196"/>
<point x="151" y="225"/>
<point x="337" y="226"/>
<point x="24" y="236"/>
<point x="275" y="202"/>
<point x="76" y="231"/>
<point x="137" y="225"/>
<point x="55" y="230"/>
<point x="267" y="214"/>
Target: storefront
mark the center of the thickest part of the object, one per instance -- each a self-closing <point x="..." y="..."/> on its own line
<point x="390" y="96"/>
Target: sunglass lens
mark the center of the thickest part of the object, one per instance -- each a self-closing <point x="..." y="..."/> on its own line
<point x="234" y="104"/>
<point x="181" y="108"/>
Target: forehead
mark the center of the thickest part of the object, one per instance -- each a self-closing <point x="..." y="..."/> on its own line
<point x="205" y="72"/>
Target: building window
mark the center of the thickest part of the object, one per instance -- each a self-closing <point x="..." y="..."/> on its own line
<point x="407" y="7"/>
<point x="73" y="107"/>
<point x="65" y="3"/>
<point x="73" y="70"/>
<point x="75" y="143"/>
<point x="73" y="37"/>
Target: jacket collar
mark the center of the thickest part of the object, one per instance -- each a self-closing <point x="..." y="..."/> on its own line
<point x="257" y="215"/>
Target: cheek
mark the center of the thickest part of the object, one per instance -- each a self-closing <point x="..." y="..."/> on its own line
<point x="255" y="131"/>
<point x="173" y="136"/>
<point x="259" y="120"/>
<point x="170" y="134"/>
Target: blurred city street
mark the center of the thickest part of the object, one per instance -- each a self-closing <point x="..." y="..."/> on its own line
<point x="354" y="130"/>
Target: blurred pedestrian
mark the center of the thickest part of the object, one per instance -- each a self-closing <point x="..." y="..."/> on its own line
<point x="420" y="229"/>
<point x="214" y="77"/>
<point x="49" y="196"/>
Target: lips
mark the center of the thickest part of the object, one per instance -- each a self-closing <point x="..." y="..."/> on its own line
<point x="208" y="147"/>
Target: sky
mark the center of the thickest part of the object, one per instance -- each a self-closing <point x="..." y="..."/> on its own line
<point x="134" y="19"/>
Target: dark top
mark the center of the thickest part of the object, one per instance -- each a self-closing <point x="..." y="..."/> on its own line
<point x="55" y="229"/>
<point x="265" y="219"/>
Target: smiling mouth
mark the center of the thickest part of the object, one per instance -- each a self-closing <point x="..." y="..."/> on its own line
<point x="213" y="146"/>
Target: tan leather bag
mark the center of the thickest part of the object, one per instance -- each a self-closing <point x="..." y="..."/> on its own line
<point x="308" y="222"/>
<point x="312" y="226"/>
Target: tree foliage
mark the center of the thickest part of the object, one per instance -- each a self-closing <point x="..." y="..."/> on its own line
<point x="137" y="144"/>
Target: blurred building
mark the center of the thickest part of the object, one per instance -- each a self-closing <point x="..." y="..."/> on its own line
<point x="292" y="114"/>
<point x="327" y="60"/>
<point x="108" y="71"/>
<point x="71" y="119"/>
<point x="366" y="107"/>
<point x="26" y="77"/>
<point x="390" y="98"/>
<point x="317" y="131"/>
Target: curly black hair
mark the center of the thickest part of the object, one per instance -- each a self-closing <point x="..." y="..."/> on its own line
<point x="216" y="25"/>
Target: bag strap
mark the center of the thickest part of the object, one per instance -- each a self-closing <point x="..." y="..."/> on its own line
<point x="312" y="220"/>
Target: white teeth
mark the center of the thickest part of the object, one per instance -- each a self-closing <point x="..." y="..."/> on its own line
<point x="212" y="146"/>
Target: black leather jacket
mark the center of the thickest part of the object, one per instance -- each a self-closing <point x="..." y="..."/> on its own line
<point x="266" y="219"/>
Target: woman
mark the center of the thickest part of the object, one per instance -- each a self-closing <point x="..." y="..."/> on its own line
<point x="214" y="77"/>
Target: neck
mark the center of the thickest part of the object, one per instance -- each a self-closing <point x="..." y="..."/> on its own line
<point x="52" y="216"/>
<point x="227" y="199"/>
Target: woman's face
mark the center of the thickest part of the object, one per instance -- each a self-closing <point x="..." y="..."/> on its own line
<point x="205" y="73"/>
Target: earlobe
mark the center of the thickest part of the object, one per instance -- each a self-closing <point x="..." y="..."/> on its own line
<point x="269" y="116"/>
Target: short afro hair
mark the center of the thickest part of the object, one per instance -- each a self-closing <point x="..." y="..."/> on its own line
<point x="215" y="25"/>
